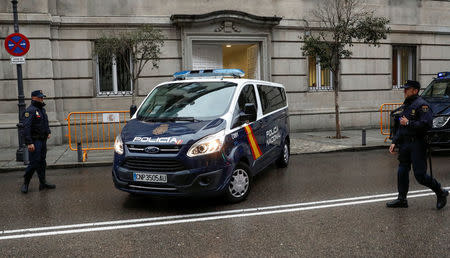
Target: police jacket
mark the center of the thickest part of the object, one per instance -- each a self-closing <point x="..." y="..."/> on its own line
<point x="35" y="125"/>
<point x="420" y="120"/>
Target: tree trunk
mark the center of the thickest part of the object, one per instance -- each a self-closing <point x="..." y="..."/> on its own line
<point x="336" y="99"/>
<point x="135" y="91"/>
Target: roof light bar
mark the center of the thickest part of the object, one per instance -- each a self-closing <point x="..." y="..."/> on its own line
<point x="236" y="73"/>
<point x="443" y="74"/>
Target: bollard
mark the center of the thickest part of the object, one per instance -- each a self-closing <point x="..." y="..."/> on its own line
<point x="79" y="152"/>
<point x="26" y="155"/>
<point x="363" y="137"/>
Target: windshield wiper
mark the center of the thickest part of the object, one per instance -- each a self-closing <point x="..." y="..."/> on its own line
<point x="170" y="119"/>
<point x="185" y="118"/>
<point x="156" y="119"/>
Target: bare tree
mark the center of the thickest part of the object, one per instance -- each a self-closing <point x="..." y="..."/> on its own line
<point x="135" y="47"/>
<point x="340" y="23"/>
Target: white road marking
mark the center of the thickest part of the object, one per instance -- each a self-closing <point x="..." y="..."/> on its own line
<point x="169" y="220"/>
<point x="116" y="222"/>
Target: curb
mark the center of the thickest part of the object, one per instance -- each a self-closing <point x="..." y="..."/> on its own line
<point x="60" y="166"/>
<point x="347" y="149"/>
<point x="109" y="163"/>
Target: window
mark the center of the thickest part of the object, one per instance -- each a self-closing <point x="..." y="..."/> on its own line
<point x="319" y="78"/>
<point x="438" y="89"/>
<point x="113" y="77"/>
<point x="272" y="98"/>
<point x="247" y="95"/>
<point x="403" y="65"/>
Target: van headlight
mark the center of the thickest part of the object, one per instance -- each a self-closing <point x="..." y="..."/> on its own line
<point x="118" y="145"/>
<point x="440" y="121"/>
<point x="207" y="145"/>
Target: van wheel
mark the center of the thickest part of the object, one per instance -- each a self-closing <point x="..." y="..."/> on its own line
<point x="283" y="160"/>
<point x="239" y="186"/>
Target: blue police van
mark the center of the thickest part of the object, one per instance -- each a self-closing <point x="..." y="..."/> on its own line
<point x="207" y="132"/>
<point x="438" y="95"/>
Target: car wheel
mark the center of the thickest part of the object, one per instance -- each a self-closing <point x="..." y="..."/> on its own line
<point x="283" y="160"/>
<point x="239" y="186"/>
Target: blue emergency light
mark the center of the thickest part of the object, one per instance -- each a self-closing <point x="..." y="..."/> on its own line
<point x="235" y="73"/>
<point x="442" y="75"/>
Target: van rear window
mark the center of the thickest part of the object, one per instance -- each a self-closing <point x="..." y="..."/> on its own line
<point x="272" y="98"/>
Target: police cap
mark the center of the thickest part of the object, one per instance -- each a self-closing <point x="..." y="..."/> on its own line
<point x="411" y="84"/>
<point x="38" y="93"/>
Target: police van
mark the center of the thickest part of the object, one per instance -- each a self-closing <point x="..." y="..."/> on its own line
<point x="437" y="94"/>
<point x="207" y="132"/>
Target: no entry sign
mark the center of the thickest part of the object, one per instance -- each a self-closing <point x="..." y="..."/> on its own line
<point x="17" y="44"/>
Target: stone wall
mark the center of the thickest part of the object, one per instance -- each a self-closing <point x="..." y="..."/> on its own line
<point x="60" y="63"/>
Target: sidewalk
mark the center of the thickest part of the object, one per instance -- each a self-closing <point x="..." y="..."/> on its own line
<point x="60" y="156"/>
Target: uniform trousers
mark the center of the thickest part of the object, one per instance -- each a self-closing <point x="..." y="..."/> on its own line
<point x="37" y="161"/>
<point x="414" y="153"/>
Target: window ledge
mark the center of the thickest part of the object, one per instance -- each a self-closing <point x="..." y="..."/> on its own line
<point x="106" y="94"/>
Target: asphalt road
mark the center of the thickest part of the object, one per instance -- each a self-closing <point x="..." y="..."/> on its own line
<point x="321" y="205"/>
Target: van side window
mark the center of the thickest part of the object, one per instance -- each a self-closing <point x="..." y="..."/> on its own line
<point x="272" y="98"/>
<point x="247" y="95"/>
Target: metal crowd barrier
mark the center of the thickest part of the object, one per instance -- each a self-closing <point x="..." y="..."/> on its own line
<point x="385" y="118"/>
<point x="95" y="130"/>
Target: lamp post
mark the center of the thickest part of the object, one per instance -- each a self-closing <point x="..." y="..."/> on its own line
<point x="21" y="97"/>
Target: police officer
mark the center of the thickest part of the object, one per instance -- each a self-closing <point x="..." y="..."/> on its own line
<point x="415" y="118"/>
<point x="36" y="132"/>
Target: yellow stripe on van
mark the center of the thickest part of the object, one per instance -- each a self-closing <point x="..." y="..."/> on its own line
<point x="256" y="151"/>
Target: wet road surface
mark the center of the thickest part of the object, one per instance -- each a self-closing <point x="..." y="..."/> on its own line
<point x="321" y="205"/>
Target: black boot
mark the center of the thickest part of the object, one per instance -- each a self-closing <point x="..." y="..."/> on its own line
<point x="397" y="203"/>
<point x="24" y="188"/>
<point x="46" y="186"/>
<point x="442" y="199"/>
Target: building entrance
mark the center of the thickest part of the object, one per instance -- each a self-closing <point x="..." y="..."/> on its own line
<point x="227" y="55"/>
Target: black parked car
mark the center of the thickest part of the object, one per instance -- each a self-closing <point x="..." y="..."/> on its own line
<point x="438" y="95"/>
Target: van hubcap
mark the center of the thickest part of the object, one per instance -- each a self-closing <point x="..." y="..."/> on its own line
<point x="286" y="153"/>
<point x="239" y="183"/>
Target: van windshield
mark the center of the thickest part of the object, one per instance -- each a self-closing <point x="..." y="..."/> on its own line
<point x="438" y="89"/>
<point x="188" y="101"/>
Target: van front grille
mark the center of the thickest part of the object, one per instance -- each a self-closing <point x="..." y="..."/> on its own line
<point x="151" y="164"/>
<point x="162" y="149"/>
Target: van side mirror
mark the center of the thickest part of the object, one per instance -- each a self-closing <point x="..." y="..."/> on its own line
<point x="249" y="112"/>
<point x="247" y="115"/>
<point x="133" y="109"/>
<point x="250" y="108"/>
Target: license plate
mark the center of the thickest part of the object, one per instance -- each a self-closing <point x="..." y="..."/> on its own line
<point x="146" y="177"/>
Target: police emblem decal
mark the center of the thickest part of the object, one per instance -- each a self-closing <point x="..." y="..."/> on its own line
<point x="161" y="129"/>
<point x="27" y="114"/>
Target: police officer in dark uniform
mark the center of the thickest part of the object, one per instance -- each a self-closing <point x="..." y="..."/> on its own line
<point x="36" y="132"/>
<point x="415" y="118"/>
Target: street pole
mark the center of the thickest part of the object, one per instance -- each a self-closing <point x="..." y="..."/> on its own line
<point x="20" y="150"/>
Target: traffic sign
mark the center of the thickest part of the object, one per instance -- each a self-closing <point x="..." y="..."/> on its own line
<point x="17" y="60"/>
<point x="17" y="44"/>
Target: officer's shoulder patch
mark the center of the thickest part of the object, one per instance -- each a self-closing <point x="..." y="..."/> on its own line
<point x="425" y="108"/>
<point x="27" y="114"/>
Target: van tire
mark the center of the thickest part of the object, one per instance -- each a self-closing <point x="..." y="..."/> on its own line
<point x="239" y="185"/>
<point x="283" y="160"/>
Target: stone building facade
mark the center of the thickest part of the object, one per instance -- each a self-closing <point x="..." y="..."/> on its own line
<point x="260" y="36"/>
